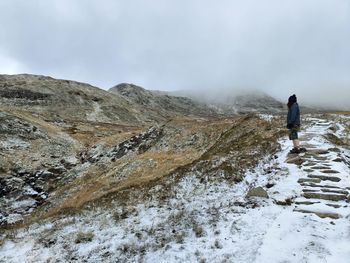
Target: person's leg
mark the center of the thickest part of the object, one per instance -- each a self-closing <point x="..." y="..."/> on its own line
<point x="294" y="137"/>
<point x="296" y="143"/>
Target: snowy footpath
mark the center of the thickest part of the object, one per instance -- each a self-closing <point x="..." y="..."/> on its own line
<point x="305" y="219"/>
<point x="316" y="225"/>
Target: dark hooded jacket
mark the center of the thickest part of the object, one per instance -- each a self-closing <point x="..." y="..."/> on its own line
<point x="293" y="117"/>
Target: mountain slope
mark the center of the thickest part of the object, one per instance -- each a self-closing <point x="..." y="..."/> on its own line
<point x="204" y="210"/>
<point x="59" y="100"/>
<point x="165" y="105"/>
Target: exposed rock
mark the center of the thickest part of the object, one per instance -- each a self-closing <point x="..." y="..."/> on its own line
<point x="23" y="94"/>
<point x="320" y="185"/>
<point x="84" y="237"/>
<point x="338" y="160"/>
<point x="310" y="190"/>
<point x="325" y="178"/>
<point x="319" y="167"/>
<point x="315" y="152"/>
<point x="329" y="171"/>
<point x="257" y="192"/>
<point x="319" y="158"/>
<point x="309" y="164"/>
<point x="334" y="139"/>
<point x="319" y="214"/>
<point x="336" y="191"/>
<point x="306" y="202"/>
<point x="334" y="149"/>
<point x="295" y="160"/>
<point x="309" y="180"/>
<point x="331" y="197"/>
<point x="308" y="170"/>
<point x="139" y="143"/>
<point x="334" y="205"/>
<point x="285" y="202"/>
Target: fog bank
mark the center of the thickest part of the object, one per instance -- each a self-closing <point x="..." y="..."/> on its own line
<point x="278" y="47"/>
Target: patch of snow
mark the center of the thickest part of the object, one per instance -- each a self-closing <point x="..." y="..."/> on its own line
<point x="200" y="222"/>
<point x="266" y="117"/>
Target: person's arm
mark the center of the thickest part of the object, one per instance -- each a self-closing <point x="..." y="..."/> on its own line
<point x="293" y="116"/>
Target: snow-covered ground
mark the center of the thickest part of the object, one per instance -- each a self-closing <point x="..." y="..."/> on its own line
<point x="212" y="223"/>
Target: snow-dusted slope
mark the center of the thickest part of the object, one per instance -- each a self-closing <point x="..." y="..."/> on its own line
<point x="215" y="222"/>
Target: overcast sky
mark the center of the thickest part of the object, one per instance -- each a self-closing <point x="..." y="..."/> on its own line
<point x="278" y="46"/>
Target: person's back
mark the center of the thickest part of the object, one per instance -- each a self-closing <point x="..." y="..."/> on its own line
<point x="293" y="123"/>
<point x="293" y="118"/>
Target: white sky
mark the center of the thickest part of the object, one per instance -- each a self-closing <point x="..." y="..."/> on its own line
<point x="280" y="47"/>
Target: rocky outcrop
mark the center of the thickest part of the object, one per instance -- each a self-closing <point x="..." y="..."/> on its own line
<point x="23" y="94"/>
<point x="139" y="143"/>
<point x="257" y="192"/>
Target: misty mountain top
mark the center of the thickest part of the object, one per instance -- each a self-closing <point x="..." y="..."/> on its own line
<point x="128" y="100"/>
<point x="236" y="100"/>
<point x="155" y="101"/>
<point x="60" y="100"/>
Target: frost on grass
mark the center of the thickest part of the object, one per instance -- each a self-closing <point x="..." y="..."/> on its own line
<point x="194" y="218"/>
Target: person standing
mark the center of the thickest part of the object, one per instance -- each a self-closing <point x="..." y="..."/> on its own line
<point x="293" y="123"/>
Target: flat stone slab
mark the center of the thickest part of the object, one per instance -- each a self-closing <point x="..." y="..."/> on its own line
<point x="284" y="202"/>
<point x="334" y="205"/>
<point x="338" y="160"/>
<point x="295" y="159"/>
<point x="320" y="185"/>
<point x="310" y="164"/>
<point x="310" y="190"/>
<point x="319" y="214"/>
<point x="308" y="146"/>
<point x="317" y="151"/>
<point x="320" y="158"/>
<point x="335" y="191"/>
<point x="320" y="167"/>
<point x="335" y="149"/>
<point x="306" y="202"/>
<point x="323" y="124"/>
<point x="330" y="171"/>
<point x="309" y="180"/>
<point x="325" y="178"/>
<point x="308" y="170"/>
<point x="331" y="197"/>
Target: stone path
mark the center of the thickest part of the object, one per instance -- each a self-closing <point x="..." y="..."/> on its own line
<point x="325" y="179"/>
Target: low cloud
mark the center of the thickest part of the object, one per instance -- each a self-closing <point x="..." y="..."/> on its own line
<point x="279" y="47"/>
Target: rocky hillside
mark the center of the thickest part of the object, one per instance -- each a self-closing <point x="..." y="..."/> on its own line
<point x="51" y="129"/>
<point x="191" y="190"/>
<point x="66" y="170"/>
<point x="136" y="176"/>
<point x="164" y="104"/>
<point x="59" y="100"/>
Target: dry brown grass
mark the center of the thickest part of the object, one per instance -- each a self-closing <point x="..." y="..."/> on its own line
<point x="140" y="170"/>
<point x="100" y="181"/>
<point x="90" y="134"/>
<point x="97" y="184"/>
